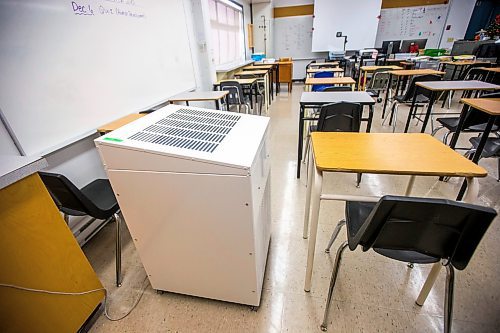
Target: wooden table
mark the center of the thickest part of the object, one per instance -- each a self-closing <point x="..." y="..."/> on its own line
<point x="330" y="80"/>
<point x="199" y="96"/>
<point x="262" y="74"/>
<point x="276" y="72"/>
<point x="325" y="69"/>
<point x="439" y="86"/>
<point x="109" y="127"/>
<point x="317" y="99"/>
<point x="317" y="64"/>
<point x="412" y="154"/>
<point x="490" y="106"/>
<point x="368" y="69"/>
<point x="404" y="73"/>
<point x="460" y="63"/>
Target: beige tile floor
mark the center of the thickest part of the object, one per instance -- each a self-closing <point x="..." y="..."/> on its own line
<point x="373" y="294"/>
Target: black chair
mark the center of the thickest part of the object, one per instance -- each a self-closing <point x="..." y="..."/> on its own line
<point x="337" y="88"/>
<point x="423" y="96"/>
<point x="95" y="199"/>
<point x="417" y="230"/>
<point x="491" y="150"/>
<point x="235" y="96"/>
<point x="474" y="122"/>
<point x="337" y="117"/>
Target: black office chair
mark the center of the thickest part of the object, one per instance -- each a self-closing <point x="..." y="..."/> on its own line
<point x="423" y="96"/>
<point x="95" y="199"/>
<point x="337" y="117"/>
<point x="474" y="122"/>
<point x="337" y="88"/>
<point x="491" y="150"/>
<point x="235" y="96"/>
<point x="418" y="230"/>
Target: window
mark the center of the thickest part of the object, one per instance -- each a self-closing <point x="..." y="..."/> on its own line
<point x="226" y="23"/>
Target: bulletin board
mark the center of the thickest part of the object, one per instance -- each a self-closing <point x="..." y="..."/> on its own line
<point x="424" y="22"/>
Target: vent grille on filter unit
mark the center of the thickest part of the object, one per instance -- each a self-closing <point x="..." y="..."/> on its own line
<point x="189" y="129"/>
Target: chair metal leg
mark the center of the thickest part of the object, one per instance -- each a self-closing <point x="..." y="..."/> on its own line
<point x="395" y="118"/>
<point x="445" y="137"/>
<point x="118" y="221"/>
<point x="335" y="233"/>
<point x="448" y="298"/>
<point x="498" y="169"/>
<point x="436" y="130"/>
<point x="389" y="114"/>
<point x="333" y="279"/>
<point x="358" y="179"/>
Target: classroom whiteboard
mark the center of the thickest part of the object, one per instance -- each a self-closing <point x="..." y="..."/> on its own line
<point x="68" y="67"/>
<point x="425" y="22"/>
<point x="356" y="19"/>
<point x="293" y="37"/>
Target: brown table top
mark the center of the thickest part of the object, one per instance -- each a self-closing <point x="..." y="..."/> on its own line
<point x="109" y="127"/>
<point x="240" y="81"/>
<point x="333" y="63"/>
<point x="374" y="68"/>
<point x="487" y="105"/>
<point x="491" y="69"/>
<point x="250" y="72"/>
<point x="330" y="80"/>
<point x="198" y="96"/>
<point x="409" y="72"/>
<point x="457" y="85"/>
<point x="325" y="69"/>
<point x="257" y="67"/>
<point x="464" y="62"/>
<point x="416" y="154"/>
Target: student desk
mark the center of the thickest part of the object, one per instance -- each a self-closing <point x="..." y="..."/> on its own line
<point x="412" y="154"/>
<point x="330" y="80"/>
<point x="490" y="106"/>
<point x="199" y="96"/>
<point x="276" y="71"/>
<point x="317" y="99"/>
<point x="325" y="69"/>
<point x="405" y="73"/>
<point x="368" y="69"/>
<point x="272" y="73"/>
<point x="439" y="86"/>
<point x="331" y="64"/>
<point x="459" y="64"/>
<point x="109" y="127"/>
<point x="250" y="84"/>
<point x="261" y="74"/>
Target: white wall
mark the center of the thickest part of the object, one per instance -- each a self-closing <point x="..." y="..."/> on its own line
<point x="458" y="18"/>
<point x="265" y="9"/>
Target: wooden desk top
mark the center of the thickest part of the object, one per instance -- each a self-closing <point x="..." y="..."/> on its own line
<point x="257" y="67"/>
<point x="409" y="72"/>
<point x="250" y="72"/>
<point x="457" y="85"/>
<point x="373" y="68"/>
<point x="325" y="69"/>
<point x="330" y="80"/>
<point x="240" y="81"/>
<point x="464" y="62"/>
<point x="109" y="127"/>
<point x="491" y="69"/>
<point x="416" y="154"/>
<point x="198" y="96"/>
<point x="333" y="63"/>
<point x="487" y="105"/>
<point x="323" y="97"/>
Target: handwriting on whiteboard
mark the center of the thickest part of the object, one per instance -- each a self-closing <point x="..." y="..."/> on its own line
<point x="106" y="8"/>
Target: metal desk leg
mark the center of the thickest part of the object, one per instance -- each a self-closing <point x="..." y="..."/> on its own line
<point x="429" y="111"/>
<point x="310" y="177"/>
<point x="412" y="107"/>
<point x="456" y="134"/>
<point x="301" y="139"/>
<point x="386" y="96"/>
<point x="370" y="118"/>
<point x="217" y="104"/>
<point x="315" y="204"/>
<point x="409" y="186"/>
<point x="278" y="85"/>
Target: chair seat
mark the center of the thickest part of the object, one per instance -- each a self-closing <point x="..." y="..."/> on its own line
<point x="491" y="148"/>
<point x="451" y="124"/>
<point x="419" y="100"/>
<point x="101" y="194"/>
<point x="357" y="213"/>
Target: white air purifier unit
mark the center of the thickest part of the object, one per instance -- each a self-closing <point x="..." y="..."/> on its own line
<point x="193" y="186"/>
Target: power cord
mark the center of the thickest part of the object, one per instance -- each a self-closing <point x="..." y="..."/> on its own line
<point x="51" y="292"/>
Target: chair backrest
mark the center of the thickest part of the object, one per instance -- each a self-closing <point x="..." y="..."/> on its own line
<point x="320" y="87"/>
<point x="474" y="73"/>
<point x="309" y="64"/>
<point x="68" y="198"/>
<point x="414" y="88"/>
<point x="337" y="88"/>
<point x="438" y="228"/>
<point x="235" y="95"/>
<point x="379" y="80"/>
<point x="340" y="117"/>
